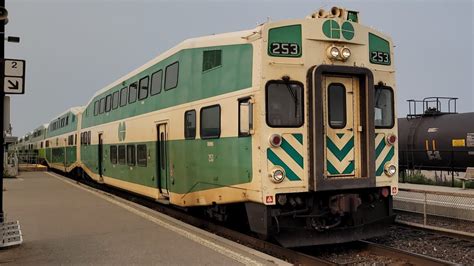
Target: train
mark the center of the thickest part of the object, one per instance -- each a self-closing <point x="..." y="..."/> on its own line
<point x="289" y="127"/>
<point x="434" y="136"/>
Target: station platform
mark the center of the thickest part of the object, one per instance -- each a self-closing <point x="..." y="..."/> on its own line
<point x="441" y="201"/>
<point x="454" y="190"/>
<point x="67" y="223"/>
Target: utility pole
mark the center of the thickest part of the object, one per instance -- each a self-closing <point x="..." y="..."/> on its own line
<point x="2" y="96"/>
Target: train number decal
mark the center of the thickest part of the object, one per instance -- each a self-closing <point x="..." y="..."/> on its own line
<point x="284" y="49"/>
<point x="382" y="58"/>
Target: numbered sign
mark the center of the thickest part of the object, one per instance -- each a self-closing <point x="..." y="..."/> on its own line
<point x="14" y="81"/>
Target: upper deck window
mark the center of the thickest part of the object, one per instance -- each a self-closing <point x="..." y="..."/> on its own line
<point x="284" y="106"/>
<point x="171" y="76"/>
<point x="102" y="106"/>
<point x="384" y="113"/>
<point x="132" y="93"/>
<point x="156" y="82"/>
<point x="123" y="96"/>
<point x="115" y="100"/>
<point x="143" y="88"/>
<point x="108" y="103"/>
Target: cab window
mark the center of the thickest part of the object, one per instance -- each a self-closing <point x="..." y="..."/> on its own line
<point x="383" y="102"/>
<point x="284" y="106"/>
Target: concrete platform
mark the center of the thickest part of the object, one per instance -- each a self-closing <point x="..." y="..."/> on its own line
<point x="32" y="168"/>
<point x="455" y="190"/>
<point x="450" y="202"/>
<point x="67" y="223"/>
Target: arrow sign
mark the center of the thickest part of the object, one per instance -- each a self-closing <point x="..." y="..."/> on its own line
<point x="13" y="85"/>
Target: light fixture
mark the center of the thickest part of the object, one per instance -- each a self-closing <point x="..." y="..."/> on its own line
<point x="390" y="169"/>
<point x="275" y="140"/>
<point x="345" y="53"/>
<point x="277" y="175"/>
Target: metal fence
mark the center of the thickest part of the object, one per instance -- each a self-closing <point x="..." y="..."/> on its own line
<point x="28" y="158"/>
<point x="440" y="210"/>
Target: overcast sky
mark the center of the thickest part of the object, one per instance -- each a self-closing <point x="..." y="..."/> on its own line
<point x="75" y="47"/>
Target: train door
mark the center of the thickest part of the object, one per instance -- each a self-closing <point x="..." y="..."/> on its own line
<point x="162" y="160"/>
<point x="100" y="154"/>
<point x="341" y="126"/>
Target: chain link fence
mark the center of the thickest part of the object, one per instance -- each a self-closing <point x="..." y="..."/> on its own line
<point x="440" y="210"/>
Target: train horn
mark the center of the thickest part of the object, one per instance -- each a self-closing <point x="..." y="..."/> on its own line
<point x="336" y="12"/>
<point x="322" y="13"/>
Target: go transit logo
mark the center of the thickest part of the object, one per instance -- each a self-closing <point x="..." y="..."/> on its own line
<point x="332" y="30"/>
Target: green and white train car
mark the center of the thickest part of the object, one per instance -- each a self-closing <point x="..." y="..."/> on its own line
<point x="289" y="125"/>
<point x="60" y="143"/>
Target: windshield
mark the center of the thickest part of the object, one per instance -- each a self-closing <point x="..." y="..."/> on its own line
<point x="383" y="107"/>
<point x="284" y="104"/>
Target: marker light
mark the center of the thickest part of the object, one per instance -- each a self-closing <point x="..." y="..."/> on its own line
<point x="390" y="169"/>
<point x="345" y="53"/>
<point x="385" y="192"/>
<point x="391" y="138"/>
<point x="333" y="52"/>
<point x="277" y="176"/>
<point x="275" y="140"/>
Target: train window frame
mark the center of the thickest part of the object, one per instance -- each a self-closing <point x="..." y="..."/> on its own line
<point x="302" y="101"/>
<point x="121" y="150"/>
<point x="201" y="120"/>
<point x="96" y="108"/>
<point x="160" y="86"/>
<point x="131" y="155"/>
<point x="392" y="95"/>
<point x="241" y="101"/>
<point x="134" y="85"/>
<point x="344" y="111"/>
<point x="102" y="106"/>
<point x="141" y="89"/>
<point x="115" y="100"/>
<point x="175" y="84"/>
<point x="123" y="96"/>
<point x="142" y="157"/>
<point x="113" y="154"/>
<point x="108" y="103"/>
<point x="186" y="128"/>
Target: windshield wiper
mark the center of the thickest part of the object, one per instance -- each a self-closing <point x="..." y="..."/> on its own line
<point x="293" y="95"/>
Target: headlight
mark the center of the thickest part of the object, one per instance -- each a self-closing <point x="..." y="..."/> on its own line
<point x="390" y="169"/>
<point x="277" y="176"/>
<point x="333" y="52"/>
<point x="345" y="53"/>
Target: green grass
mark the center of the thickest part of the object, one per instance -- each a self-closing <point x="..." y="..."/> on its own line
<point x="416" y="177"/>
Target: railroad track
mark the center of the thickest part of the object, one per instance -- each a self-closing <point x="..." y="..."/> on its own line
<point x="293" y="256"/>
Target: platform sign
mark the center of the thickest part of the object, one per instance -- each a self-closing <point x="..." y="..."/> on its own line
<point x="14" y="80"/>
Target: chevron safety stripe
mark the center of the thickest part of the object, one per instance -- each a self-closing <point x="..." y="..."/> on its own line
<point x="383" y="153"/>
<point x="289" y="156"/>
<point x="340" y="154"/>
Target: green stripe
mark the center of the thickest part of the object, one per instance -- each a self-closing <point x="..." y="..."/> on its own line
<point x="387" y="158"/>
<point x="349" y="169"/>
<point x="292" y="152"/>
<point x="331" y="169"/>
<point x="340" y="154"/>
<point x="299" y="138"/>
<point x="380" y="148"/>
<point x="277" y="161"/>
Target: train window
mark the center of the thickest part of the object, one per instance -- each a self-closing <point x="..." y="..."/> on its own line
<point x="156" y="82"/>
<point x="141" y="155"/>
<point x="131" y="155"/>
<point x="108" y="103"/>
<point x="337" y="105"/>
<point x="115" y="100"/>
<point x="67" y="120"/>
<point x="132" y="93"/>
<point x="211" y="59"/>
<point x="121" y="154"/>
<point x="171" y="76"/>
<point x="383" y="107"/>
<point x="143" y="88"/>
<point x="211" y="122"/>
<point x="89" y="138"/>
<point x="63" y="120"/>
<point x="73" y="117"/>
<point x="113" y="154"/>
<point x="123" y="97"/>
<point x="190" y="124"/>
<point x="284" y="106"/>
<point x="47" y="144"/>
<point x="102" y="106"/>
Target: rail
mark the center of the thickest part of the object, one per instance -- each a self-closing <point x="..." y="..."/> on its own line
<point x="451" y="212"/>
